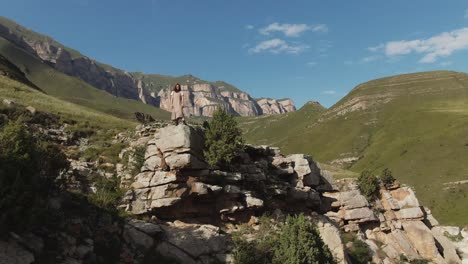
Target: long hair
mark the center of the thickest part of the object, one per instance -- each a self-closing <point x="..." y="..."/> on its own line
<point x="176" y="88"/>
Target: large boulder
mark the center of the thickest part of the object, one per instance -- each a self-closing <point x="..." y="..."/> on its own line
<point x="422" y="240"/>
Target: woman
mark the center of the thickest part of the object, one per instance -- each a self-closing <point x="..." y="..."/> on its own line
<point x="177" y="105"/>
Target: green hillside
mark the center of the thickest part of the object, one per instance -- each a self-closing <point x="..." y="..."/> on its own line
<point x="27" y="96"/>
<point x="277" y="129"/>
<point x="72" y="89"/>
<point x="415" y="124"/>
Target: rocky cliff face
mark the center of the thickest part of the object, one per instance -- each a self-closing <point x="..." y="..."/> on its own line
<point x="272" y="106"/>
<point x="202" y="98"/>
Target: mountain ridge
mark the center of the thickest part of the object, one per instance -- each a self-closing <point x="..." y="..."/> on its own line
<point x="121" y="83"/>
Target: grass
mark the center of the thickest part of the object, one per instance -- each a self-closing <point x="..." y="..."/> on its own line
<point x="72" y="89"/>
<point x="27" y="96"/>
<point x="421" y="134"/>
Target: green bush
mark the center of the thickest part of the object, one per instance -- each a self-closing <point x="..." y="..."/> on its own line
<point x="28" y="167"/>
<point x="360" y="253"/>
<point x="108" y="193"/>
<point x="223" y="139"/>
<point x="387" y="177"/>
<point x="299" y="242"/>
<point x="368" y="184"/>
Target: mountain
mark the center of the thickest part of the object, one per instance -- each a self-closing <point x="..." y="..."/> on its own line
<point x="71" y="89"/>
<point x="152" y="89"/>
<point x="415" y="124"/>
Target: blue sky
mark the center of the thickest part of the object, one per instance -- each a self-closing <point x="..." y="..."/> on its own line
<point x="301" y="49"/>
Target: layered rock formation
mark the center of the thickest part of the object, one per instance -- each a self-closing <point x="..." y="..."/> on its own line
<point x="272" y="106"/>
<point x="393" y="226"/>
<point x="202" y="98"/>
<point x="187" y="189"/>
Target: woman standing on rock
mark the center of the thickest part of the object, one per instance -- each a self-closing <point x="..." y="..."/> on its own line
<point x="177" y="104"/>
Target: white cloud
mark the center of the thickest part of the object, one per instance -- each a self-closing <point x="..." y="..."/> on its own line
<point x="290" y="30"/>
<point x="249" y="27"/>
<point x="320" y="28"/>
<point x="277" y="46"/>
<point x="446" y="63"/>
<point x="311" y="63"/>
<point x="329" y="92"/>
<point x="438" y="46"/>
<point x="376" y="48"/>
<point x="370" y="59"/>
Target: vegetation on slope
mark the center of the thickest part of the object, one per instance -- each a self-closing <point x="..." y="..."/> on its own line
<point x="72" y="89"/>
<point x="414" y="124"/>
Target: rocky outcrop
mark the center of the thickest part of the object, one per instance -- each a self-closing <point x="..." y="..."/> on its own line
<point x="393" y="225"/>
<point x="188" y="189"/>
<point x="272" y="106"/>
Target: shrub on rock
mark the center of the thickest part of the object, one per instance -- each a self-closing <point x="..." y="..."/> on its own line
<point x="387" y="177"/>
<point x="368" y="184"/>
<point x="223" y="139"/>
<point x="300" y="242"/>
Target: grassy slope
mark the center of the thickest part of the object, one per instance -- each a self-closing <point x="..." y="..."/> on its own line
<point x="27" y="96"/>
<point x="422" y="135"/>
<point x="72" y="89"/>
<point x="277" y="129"/>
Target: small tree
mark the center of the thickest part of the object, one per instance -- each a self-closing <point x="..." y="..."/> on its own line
<point x="368" y="184"/>
<point x="223" y="139"/>
<point x="387" y="177"/>
<point x="300" y="242"/>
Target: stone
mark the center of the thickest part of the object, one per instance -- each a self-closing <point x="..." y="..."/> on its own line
<point x="184" y="161"/>
<point x="162" y="177"/>
<point x="253" y="202"/>
<point x="146" y="227"/>
<point x="449" y="251"/>
<point x="164" y="202"/>
<point x="331" y="236"/>
<point x="8" y="102"/>
<point x="142" y="180"/>
<point x="303" y="169"/>
<point x="12" y="253"/>
<point x="180" y="138"/>
<point x="195" y="240"/>
<point x="410" y="213"/>
<point x="170" y="251"/>
<point x="451" y="230"/>
<point x="405" y="197"/>
<point x="352" y="199"/>
<point x="421" y="238"/>
<point x="233" y="189"/>
<point x="31" y="109"/>
<point x="151" y="164"/>
<point x="361" y="214"/>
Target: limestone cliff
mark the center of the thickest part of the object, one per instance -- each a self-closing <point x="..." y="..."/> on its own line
<point x="272" y="106"/>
